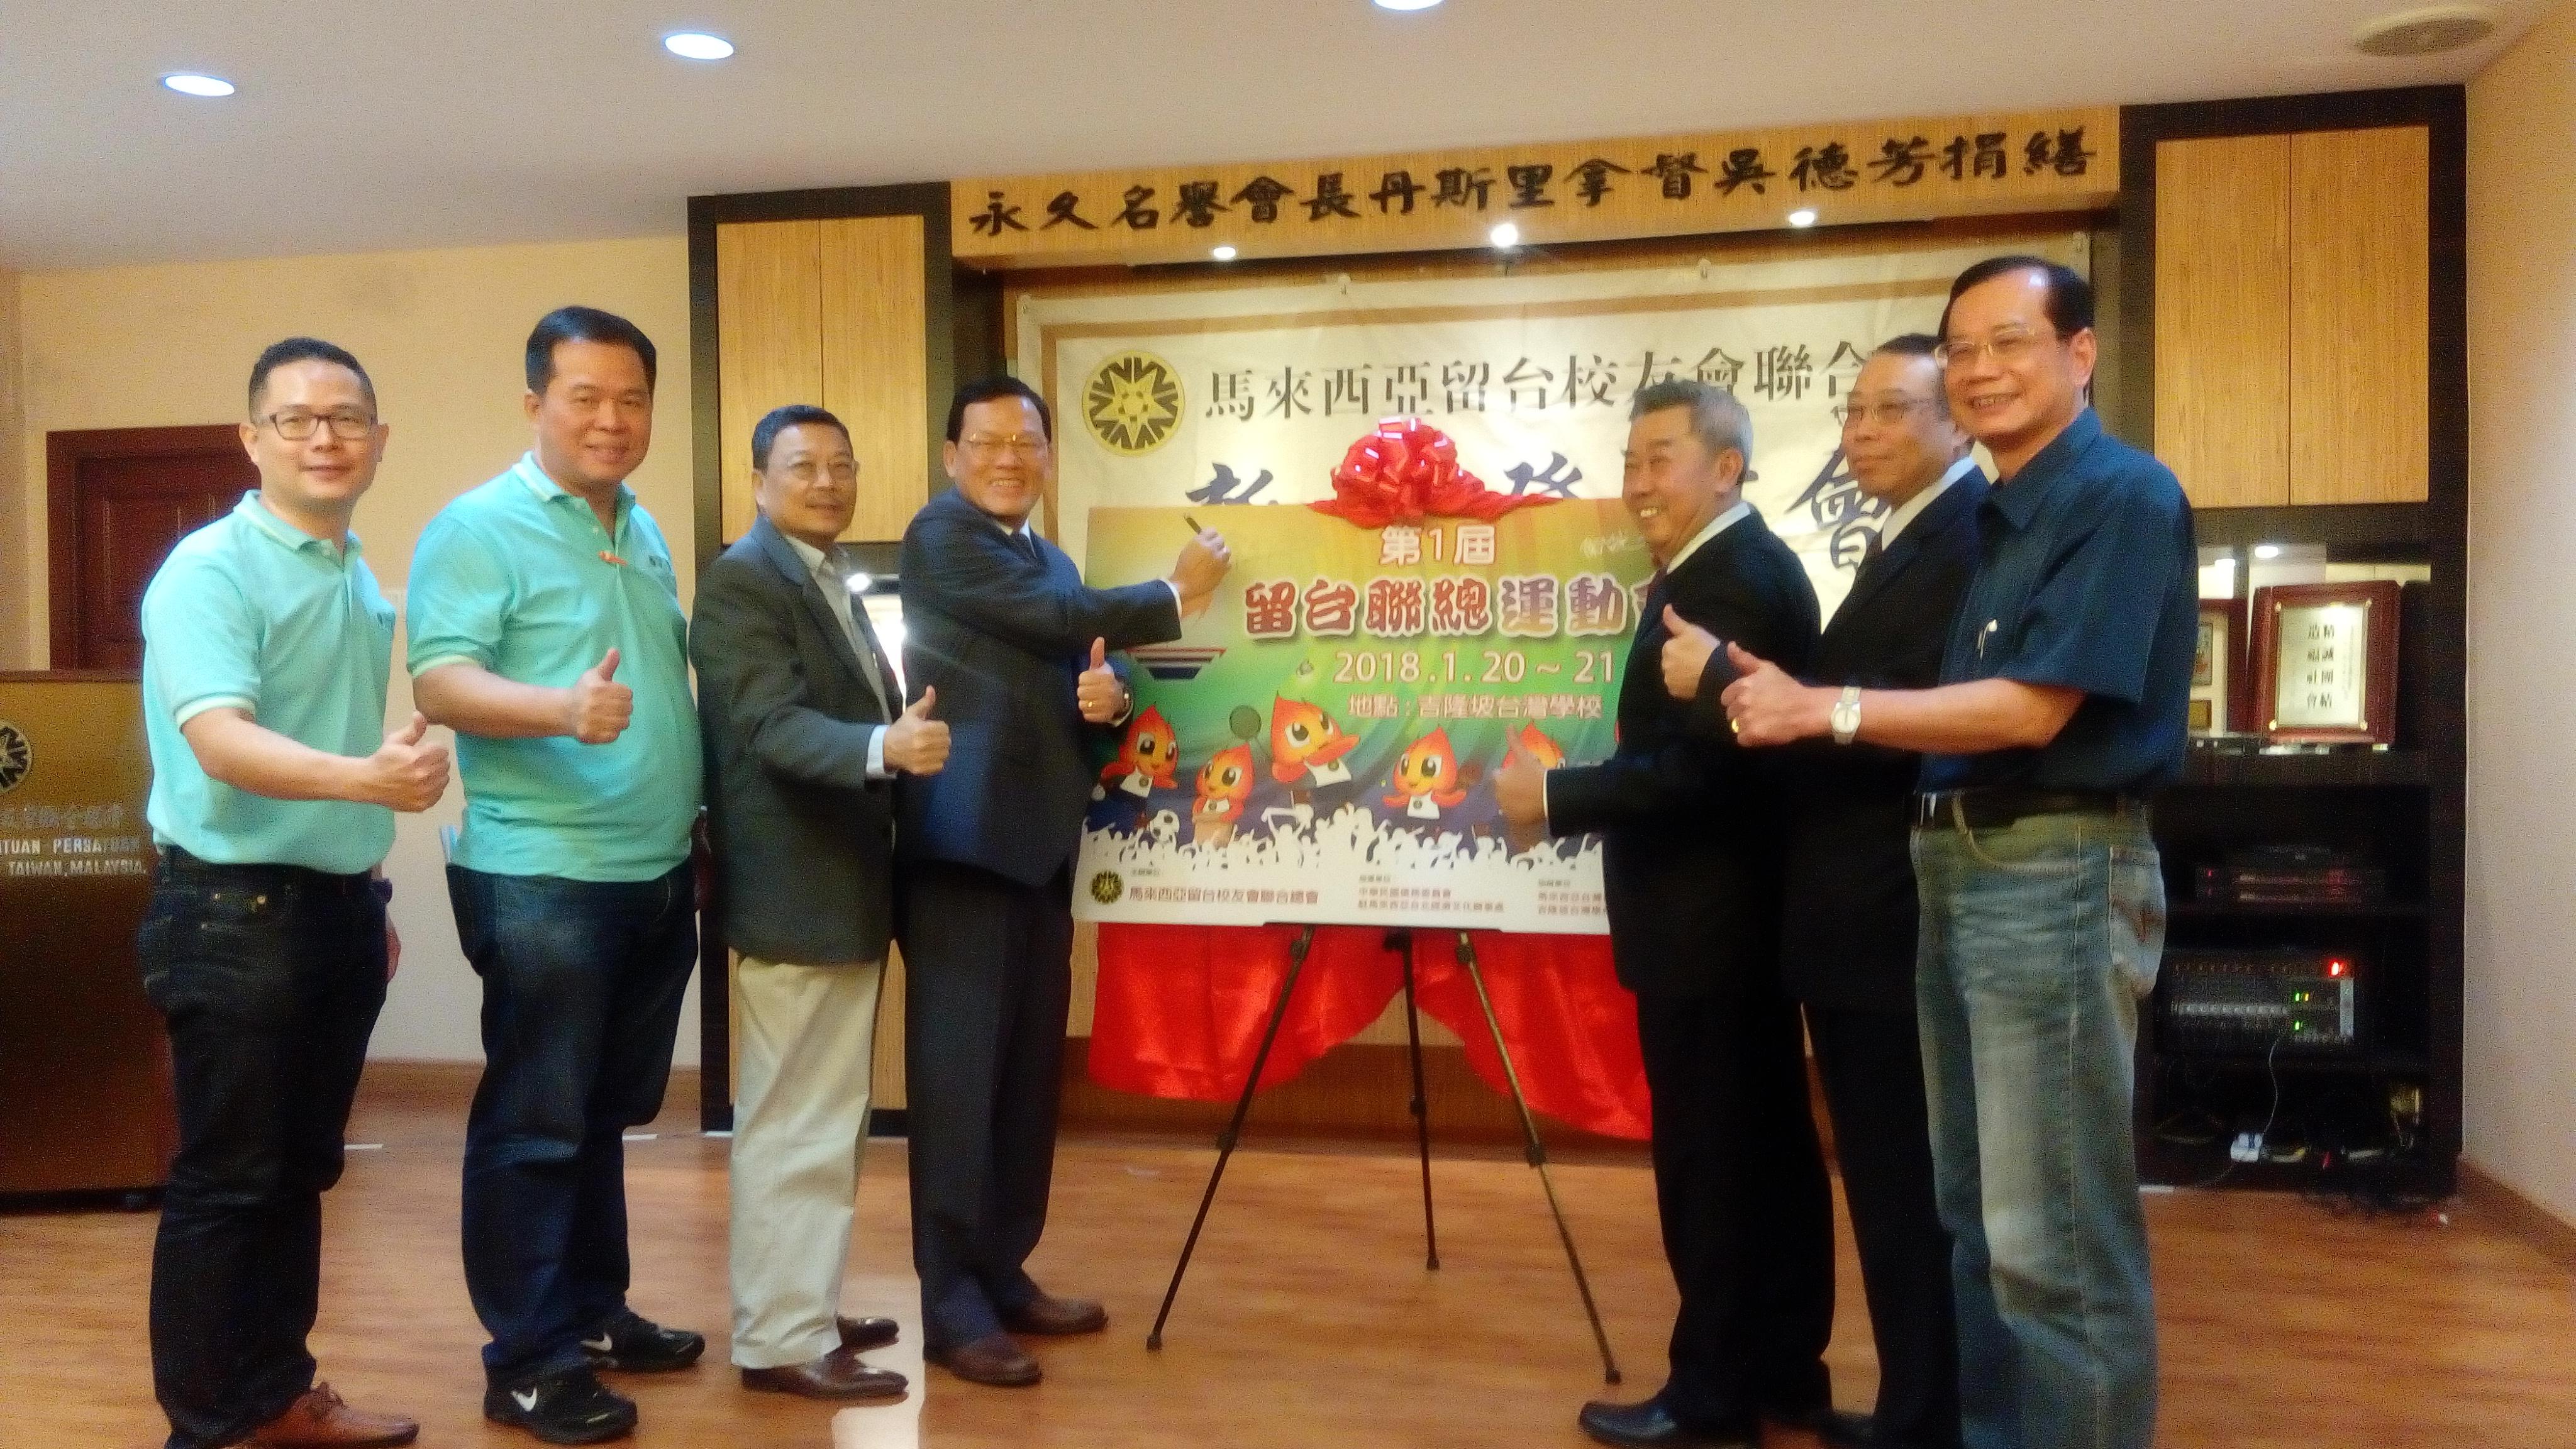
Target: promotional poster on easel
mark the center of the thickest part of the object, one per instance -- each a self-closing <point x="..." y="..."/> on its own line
<point x="1320" y="744"/>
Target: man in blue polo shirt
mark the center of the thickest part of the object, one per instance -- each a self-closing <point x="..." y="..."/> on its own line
<point x="274" y="787"/>
<point x="2061" y="707"/>
<point x="546" y="630"/>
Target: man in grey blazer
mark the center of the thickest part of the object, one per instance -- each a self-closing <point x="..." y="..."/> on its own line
<point x="798" y="711"/>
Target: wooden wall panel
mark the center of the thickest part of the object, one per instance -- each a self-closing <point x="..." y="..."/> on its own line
<point x="875" y="374"/>
<point x="2223" y="309"/>
<point x="769" y="307"/>
<point x="2360" y="267"/>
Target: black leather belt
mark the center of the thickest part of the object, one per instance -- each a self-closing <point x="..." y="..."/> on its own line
<point x="1993" y="807"/>
<point x="179" y="865"/>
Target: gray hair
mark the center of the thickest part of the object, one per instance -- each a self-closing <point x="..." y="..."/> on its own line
<point x="1720" y="421"/>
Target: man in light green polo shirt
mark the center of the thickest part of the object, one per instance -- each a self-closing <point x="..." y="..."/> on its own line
<point x="266" y="950"/>
<point x="546" y="630"/>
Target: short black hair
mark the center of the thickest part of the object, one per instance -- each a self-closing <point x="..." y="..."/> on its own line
<point x="778" y="420"/>
<point x="2070" y="297"/>
<point x="583" y="324"/>
<point x="987" y="389"/>
<point x="1910" y="344"/>
<point x="306" y="349"/>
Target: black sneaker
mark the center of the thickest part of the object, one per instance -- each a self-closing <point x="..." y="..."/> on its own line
<point x="568" y="1406"/>
<point x="631" y="1343"/>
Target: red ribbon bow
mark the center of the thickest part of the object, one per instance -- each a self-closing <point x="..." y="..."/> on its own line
<point x="1407" y="471"/>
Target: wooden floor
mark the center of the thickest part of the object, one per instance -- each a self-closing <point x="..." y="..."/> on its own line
<point x="1309" y="1318"/>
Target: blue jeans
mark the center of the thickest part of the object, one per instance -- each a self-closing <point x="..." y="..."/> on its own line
<point x="2038" y="941"/>
<point x="269" y="978"/>
<point x="582" y="983"/>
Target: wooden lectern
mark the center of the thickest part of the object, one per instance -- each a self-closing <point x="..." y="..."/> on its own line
<point x="85" y="1102"/>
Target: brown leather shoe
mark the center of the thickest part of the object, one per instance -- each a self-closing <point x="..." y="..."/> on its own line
<point x="836" y="1375"/>
<point x="994" y="1359"/>
<point x="862" y="1334"/>
<point x="1048" y="1316"/>
<point x="323" y="1418"/>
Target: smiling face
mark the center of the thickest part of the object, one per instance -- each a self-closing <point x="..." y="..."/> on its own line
<point x="595" y="418"/>
<point x="2014" y="383"/>
<point x="1001" y="460"/>
<point x="1673" y="485"/>
<point x="1897" y="432"/>
<point x="811" y="486"/>
<point x="314" y="483"/>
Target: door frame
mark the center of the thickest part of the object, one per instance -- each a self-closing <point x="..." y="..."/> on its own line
<point x="64" y="453"/>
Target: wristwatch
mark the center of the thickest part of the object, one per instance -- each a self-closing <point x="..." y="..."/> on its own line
<point x="1846" y="715"/>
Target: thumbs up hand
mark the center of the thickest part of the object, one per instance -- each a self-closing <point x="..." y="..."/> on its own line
<point x="404" y="773"/>
<point x="915" y="743"/>
<point x="1687" y="648"/>
<point x="1098" y="692"/>
<point x="1768" y="707"/>
<point x="597" y="708"/>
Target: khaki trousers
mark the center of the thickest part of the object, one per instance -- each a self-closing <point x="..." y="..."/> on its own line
<point x="805" y="1046"/>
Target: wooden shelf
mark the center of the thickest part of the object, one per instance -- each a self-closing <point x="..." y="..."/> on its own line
<point x="2361" y="532"/>
<point x="2195" y="910"/>
<point x="2204" y="767"/>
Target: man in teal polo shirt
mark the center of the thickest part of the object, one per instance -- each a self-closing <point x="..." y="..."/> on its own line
<point x="274" y="786"/>
<point x="546" y="630"/>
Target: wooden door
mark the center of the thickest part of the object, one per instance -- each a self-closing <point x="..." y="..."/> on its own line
<point x="2361" y="312"/>
<point x="2223" y="318"/>
<point x="118" y="498"/>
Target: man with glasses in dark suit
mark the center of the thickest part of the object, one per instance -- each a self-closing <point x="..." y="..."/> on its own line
<point x="998" y="622"/>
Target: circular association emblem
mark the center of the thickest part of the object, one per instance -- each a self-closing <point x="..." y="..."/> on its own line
<point x="16" y="755"/>
<point x="1132" y="402"/>
<point x="1106" y="887"/>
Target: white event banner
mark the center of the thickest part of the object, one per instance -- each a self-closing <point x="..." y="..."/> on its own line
<point x="1171" y="395"/>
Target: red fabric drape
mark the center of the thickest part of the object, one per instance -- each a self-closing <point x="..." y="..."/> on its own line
<point x="1181" y="1010"/>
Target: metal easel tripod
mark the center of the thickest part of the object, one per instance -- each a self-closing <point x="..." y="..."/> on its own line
<point x="1533" y="1149"/>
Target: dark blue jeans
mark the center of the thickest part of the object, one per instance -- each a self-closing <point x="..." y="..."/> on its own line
<point x="582" y="983"/>
<point x="270" y="978"/>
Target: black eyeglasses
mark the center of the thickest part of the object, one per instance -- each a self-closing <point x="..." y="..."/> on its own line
<point x="295" y="425"/>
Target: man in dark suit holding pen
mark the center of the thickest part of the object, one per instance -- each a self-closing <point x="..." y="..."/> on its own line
<point x="1849" y="920"/>
<point x="805" y="732"/>
<point x="1691" y="879"/>
<point x="998" y="621"/>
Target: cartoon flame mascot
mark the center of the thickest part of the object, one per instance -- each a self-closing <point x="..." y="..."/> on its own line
<point x="1225" y="782"/>
<point x="1426" y="777"/>
<point x="1146" y="758"/>
<point x="1306" y="746"/>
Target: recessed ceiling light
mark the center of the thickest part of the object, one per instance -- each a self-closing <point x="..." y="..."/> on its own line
<point x="1406" y="4"/>
<point x="188" y="83"/>
<point x="2267" y="550"/>
<point x="2429" y="30"/>
<point x="1803" y="216"/>
<point x="1504" y="235"/>
<point x="1222" y="254"/>
<point x="697" y="45"/>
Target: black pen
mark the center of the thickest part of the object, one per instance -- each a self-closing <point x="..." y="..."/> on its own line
<point x="1193" y="523"/>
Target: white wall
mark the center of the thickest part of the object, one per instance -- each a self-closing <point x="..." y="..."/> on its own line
<point x="2521" y="1011"/>
<point x="442" y="333"/>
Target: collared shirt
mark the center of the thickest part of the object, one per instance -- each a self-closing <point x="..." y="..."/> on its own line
<point x="1912" y="508"/>
<point x="1715" y="526"/>
<point x="517" y="576"/>
<point x="2087" y="579"/>
<point x="252" y="613"/>
<point x="836" y="592"/>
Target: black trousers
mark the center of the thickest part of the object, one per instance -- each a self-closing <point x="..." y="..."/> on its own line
<point x="1747" y="1211"/>
<point x="987" y="978"/>
<point x="1872" y="1065"/>
<point x="270" y="978"/>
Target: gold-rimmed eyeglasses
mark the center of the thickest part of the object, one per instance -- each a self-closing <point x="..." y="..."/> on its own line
<point x="986" y="445"/>
<point x="2005" y="348"/>
<point x="1887" y="412"/>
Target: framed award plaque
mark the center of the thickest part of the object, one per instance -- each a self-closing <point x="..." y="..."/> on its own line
<point x="2218" y="685"/>
<point x="2325" y="663"/>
